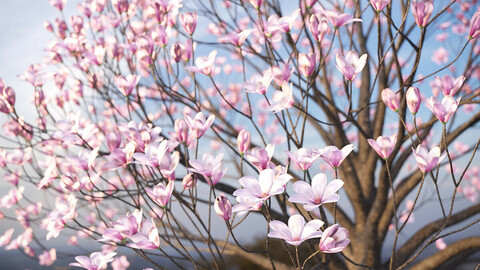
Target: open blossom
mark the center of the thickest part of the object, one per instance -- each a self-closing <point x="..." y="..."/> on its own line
<point x="259" y="84"/>
<point x="351" y="65"/>
<point x="125" y="226"/>
<point x="199" y="124"/>
<point x="147" y="236"/>
<point x="391" y="99"/>
<point x="339" y="19"/>
<point x="304" y="158"/>
<point x="426" y="161"/>
<point x="296" y="232"/>
<point x="7" y="98"/>
<point x="237" y="39"/>
<point x="448" y="85"/>
<point x="474" y="30"/>
<point x="383" y="145"/>
<point x="260" y="157"/>
<point x="282" y="99"/>
<point x="445" y="109"/>
<point x="209" y="167"/>
<point x="246" y="204"/>
<point x="127" y="84"/>
<point x="413" y="99"/>
<point x="48" y="257"/>
<point x="335" y="157"/>
<point x="96" y="261"/>
<point x="268" y="184"/>
<point x="334" y="239"/>
<point x="317" y="194"/>
<point x="422" y="10"/>
<point x="205" y="65"/>
<point x="160" y="194"/>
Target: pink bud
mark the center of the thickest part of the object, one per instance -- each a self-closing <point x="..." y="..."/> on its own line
<point x="391" y="99"/>
<point x="307" y="64"/>
<point x="475" y="25"/>
<point x="310" y="3"/>
<point x="223" y="207"/>
<point x="413" y="99"/>
<point x="378" y="5"/>
<point x="422" y="10"/>
<point x="256" y="3"/>
<point x="243" y="141"/>
<point x="318" y="27"/>
<point x="189" y="181"/>
<point x="176" y="52"/>
<point x="189" y="22"/>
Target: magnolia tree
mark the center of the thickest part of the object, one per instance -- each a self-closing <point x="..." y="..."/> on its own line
<point x="291" y="134"/>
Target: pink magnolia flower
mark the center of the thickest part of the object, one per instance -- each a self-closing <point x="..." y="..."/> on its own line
<point x="120" y="157"/>
<point x="306" y="64"/>
<point x="440" y="56"/>
<point x="125" y="226"/>
<point x="426" y="161"/>
<point x="318" y="27"/>
<point x="443" y="110"/>
<point x="335" y="157"/>
<point x="413" y="99"/>
<point x="189" y="21"/>
<point x="317" y="194"/>
<point x="422" y="10"/>
<point x="339" y="19"/>
<point x="334" y="239"/>
<point x="259" y="84"/>
<point x="209" y="167"/>
<point x="260" y="157"/>
<point x="379" y="5"/>
<point x="96" y="261"/>
<point x="383" y="145"/>
<point x="474" y="30"/>
<point x="267" y="185"/>
<point x="48" y="257"/>
<point x="59" y="4"/>
<point x="246" y="204"/>
<point x="7" y="98"/>
<point x="350" y="65"/>
<point x="440" y="244"/>
<point x="120" y="263"/>
<point x="127" y="84"/>
<point x="223" y="207"/>
<point x="6" y="237"/>
<point x="160" y="194"/>
<point x="282" y="99"/>
<point x="296" y="232"/>
<point x="391" y="99"/>
<point x="199" y="124"/>
<point x="189" y="181"/>
<point x="237" y="39"/>
<point x="205" y="65"/>
<point x="243" y="141"/>
<point x="304" y="158"/>
<point x="448" y="85"/>
<point x="147" y="236"/>
<point x="256" y="3"/>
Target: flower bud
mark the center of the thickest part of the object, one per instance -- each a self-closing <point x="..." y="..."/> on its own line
<point x="189" y="22"/>
<point x="413" y="99"/>
<point x="243" y="141"/>
<point x="223" y="207"/>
